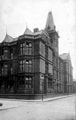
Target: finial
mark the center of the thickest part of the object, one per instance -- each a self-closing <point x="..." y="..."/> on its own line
<point x="6" y="31"/>
<point x="26" y="25"/>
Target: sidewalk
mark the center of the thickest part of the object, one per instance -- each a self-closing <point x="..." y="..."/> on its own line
<point x="8" y="104"/>
<point x="14" y="103"/>
<point x="49" y="98"/>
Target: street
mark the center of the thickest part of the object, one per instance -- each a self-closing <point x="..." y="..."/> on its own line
<point x="61" y="109"/>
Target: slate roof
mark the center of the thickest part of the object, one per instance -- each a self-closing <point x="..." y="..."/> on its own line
<point x="65" y="56"/>
<point x="28" y="31"/>
<point x="44" y="35"/>
<point x="8" y="38"/>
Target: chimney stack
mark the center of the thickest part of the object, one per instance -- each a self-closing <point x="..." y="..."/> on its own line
<point x="36" y="30"/>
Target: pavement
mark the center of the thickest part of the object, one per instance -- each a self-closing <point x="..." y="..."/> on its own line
<point x="18" y="102"/>
<point x="54" y="108"/>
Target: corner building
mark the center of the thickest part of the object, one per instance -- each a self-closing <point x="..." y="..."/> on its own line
<point x="29" y="63"/>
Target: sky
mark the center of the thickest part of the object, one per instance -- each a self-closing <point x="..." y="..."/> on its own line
<point x="15" y="15"/>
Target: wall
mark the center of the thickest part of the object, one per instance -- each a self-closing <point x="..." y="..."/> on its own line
<point x="42" y="49"/>
<point x="50" y="55"/>
<point x="42" y="66"/>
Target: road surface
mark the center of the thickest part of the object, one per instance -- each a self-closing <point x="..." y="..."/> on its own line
<point x="61" y="109"/>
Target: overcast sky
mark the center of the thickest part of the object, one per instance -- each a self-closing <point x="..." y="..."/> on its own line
<point x="15" y="15"/>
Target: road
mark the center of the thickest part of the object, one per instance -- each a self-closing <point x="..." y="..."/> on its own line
<point x="61" y="109"/>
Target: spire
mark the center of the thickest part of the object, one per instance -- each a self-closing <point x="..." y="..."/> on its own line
<point x="50" y="22"/>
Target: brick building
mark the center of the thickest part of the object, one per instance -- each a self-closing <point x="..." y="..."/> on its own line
<point x="68" y="72"/>
<point x="30" y="63"/>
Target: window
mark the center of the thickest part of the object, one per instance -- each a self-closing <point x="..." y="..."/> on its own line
<point x="0" y="70"/>
<point x="28" y="48"/>
<point x="55" y="74"/>
<point x="5" y="54"/>
<point x="11" y="53"/>
<point x="11" y="69"/>
<point x="46" y="67"/>
<point x="50" y="83"/>
<point x="50" y="69"/>
<point x="28" y="65"/>
<point x="0" y="57"/>
<point x="22" y="66"/>
<point x="54" y="61"/>
<point x="50" y="55"/>
<point x="22" y="48"/>
<point x="5" y="70"/>
<point x="46" y="52"/>
<point x="2" y="54"/>
<point x="28" y="82"/>
<point x="5" y="51"/>
<point x="21" y="82"/>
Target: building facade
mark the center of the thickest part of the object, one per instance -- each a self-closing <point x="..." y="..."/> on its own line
<point x="74" y="85"/>
<point x="68" y="73"/>
<point x="30" y="63"/>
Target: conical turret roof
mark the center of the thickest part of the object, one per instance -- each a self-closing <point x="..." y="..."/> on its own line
<point x="8" y="38"/>
<point x="50" y="22"/>
<point x="28" y="31"/>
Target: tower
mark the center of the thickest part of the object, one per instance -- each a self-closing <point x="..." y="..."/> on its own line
<point x="51" y="30"/>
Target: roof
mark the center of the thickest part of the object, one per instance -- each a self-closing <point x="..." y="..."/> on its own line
<point x="74" y="80"/>
<point x="41" y="33"/>
<point x="38" y="32"/>
<point x="28" y="31"/>
<point x="50" y="22"/>
<point x="64" y="56"/>
<point x="8" y="38"/>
